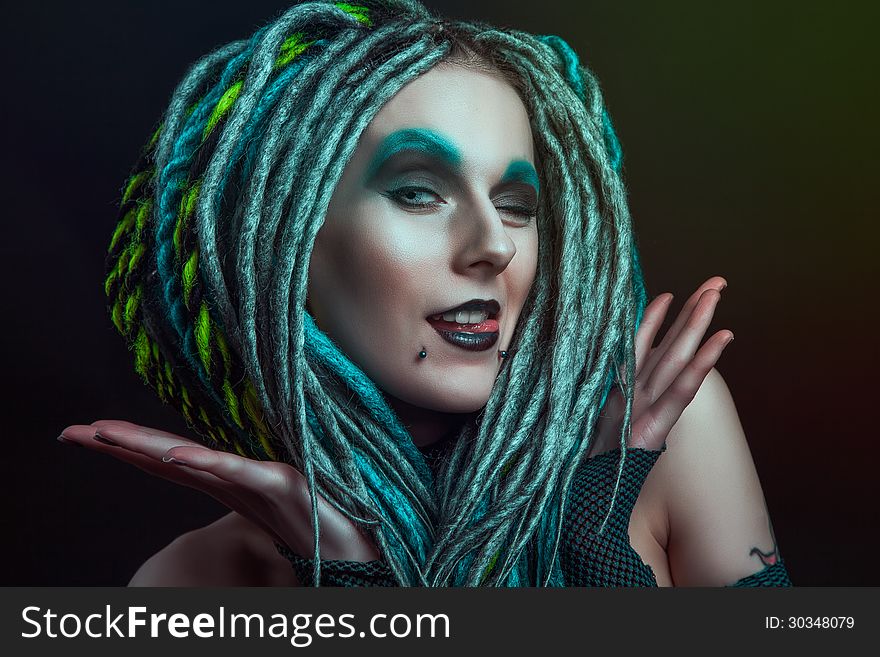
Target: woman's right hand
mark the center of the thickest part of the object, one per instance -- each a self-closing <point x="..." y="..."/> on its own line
<point x="272" y="495"/>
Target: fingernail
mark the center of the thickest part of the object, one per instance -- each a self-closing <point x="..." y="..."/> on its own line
<point x="106" y="441"/>
<point x="171" y="459"/>
<point x="65" y="441"/>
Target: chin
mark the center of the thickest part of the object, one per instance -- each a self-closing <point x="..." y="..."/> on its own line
<point x="447" y="398"/>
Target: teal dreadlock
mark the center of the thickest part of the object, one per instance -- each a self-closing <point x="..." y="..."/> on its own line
<point x="207" y="275"/>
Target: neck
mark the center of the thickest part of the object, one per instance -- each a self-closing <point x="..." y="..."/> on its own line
<point x="426" y="426"/>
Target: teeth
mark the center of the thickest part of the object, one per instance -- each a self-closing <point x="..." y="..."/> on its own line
<point x="466" y="316"/>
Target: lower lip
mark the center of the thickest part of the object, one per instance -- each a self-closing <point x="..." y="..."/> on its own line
<point x="470" y="337"/>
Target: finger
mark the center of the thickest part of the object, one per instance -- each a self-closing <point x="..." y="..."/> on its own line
<point x="672" y="358"/>
<point x="144" y="440"/>
<point x="77" y="432"/>
<point x="85" y="436"/>
<point x="714" y="283"/>
<point x="124" y="425"/>
<point x="653" y="318"/>
<point x="269" y="479"/>
<point x="123" y="429"/>
<point x="652" y="428"/>
<point x="200" y="480"/>
<point x="281" y="493"/>
<point x="282" y="490"/>
<point x="233" y="498"/>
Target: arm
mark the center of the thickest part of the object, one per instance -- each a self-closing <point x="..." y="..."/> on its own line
<point x="184" y="562"/>
<point x="228" y="552"/>
<point x="714" y="523"/>
<point x="270" y="500"/>
<point x="719" y="526"/>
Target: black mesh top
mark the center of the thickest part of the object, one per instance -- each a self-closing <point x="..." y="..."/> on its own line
<point x="589" y="557"/>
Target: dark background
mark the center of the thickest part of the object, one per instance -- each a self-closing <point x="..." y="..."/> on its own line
<point x="750" y="139"/>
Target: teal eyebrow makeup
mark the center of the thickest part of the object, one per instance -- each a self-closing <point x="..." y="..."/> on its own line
<point x="524" y="172"/>
<point x="415" y="139"/>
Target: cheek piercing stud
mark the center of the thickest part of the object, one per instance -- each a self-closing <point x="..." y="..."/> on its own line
<point x="423" y="354"/>
<point x="503" y="354"/>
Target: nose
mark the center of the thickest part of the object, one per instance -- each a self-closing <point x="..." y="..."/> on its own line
<point x="484" y="242"/>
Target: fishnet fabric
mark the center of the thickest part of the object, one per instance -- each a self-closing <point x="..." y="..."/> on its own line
<point x="775" y="575"/>
<point x="588" y="557"/>
<point x="340" y="573"/>
<point x="591" y="558"/>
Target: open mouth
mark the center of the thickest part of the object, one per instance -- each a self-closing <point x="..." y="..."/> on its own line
<point x="472" y="325"/>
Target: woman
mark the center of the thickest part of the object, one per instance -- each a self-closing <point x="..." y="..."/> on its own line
<point x="388" y="261"/>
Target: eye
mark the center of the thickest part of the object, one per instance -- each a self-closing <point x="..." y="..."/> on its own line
<point x="416" y="197"/>
<point x="521" y="211"/>
<point x="515" y="205"/>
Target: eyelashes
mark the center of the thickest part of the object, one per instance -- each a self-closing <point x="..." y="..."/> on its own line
<point x="521" y="210"/>
<point x="415" y="197"/>
<point x="419" y="198"/>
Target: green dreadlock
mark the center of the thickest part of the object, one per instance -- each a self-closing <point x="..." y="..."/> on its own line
<point x="208" y="267"/>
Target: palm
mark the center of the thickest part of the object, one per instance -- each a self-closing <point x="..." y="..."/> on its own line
<point x="274" y="496"/>
<point x="667" y="376"/>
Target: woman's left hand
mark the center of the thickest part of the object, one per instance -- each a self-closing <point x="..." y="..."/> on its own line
<point x="667" y="376"/>
<point x="272" y="495"/>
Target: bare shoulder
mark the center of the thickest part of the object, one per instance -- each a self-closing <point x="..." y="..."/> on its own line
<point x="231" y="551"/>
<point x="717" y="525"/>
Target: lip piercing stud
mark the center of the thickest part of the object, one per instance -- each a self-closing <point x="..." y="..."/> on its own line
<point x="503" y="354"/>
<point x="423" y="354"/>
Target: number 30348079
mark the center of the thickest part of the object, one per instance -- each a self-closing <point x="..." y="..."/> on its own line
<point x="809" y="622"/>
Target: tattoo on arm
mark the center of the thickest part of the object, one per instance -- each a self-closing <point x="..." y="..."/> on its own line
<point x="771" y="557"/>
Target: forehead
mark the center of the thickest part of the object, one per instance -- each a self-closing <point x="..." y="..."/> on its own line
<point x="477" y="112"/>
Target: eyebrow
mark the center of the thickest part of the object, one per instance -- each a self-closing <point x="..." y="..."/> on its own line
<point x="415" y="139"/>
<point x="522" y="171"/>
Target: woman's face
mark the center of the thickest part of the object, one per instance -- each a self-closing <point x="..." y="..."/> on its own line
<point x="429" y="247"/>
